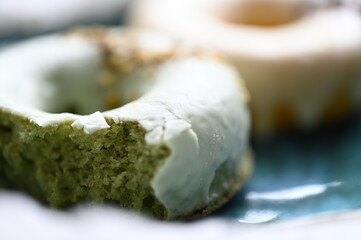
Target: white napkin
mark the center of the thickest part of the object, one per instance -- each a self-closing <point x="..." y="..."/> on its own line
<point x="23" y="218"/>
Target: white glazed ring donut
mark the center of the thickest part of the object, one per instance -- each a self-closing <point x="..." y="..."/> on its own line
<point x="300" y="58"/>
<point x="176" y="149"/>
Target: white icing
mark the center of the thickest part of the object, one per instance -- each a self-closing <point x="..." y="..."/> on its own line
<point x="201" y="117"/>
<point x="195" y="107"/>
<point x="305" y="64"/>
<point x="29" y="81"/>
<point x="91" y="123"/>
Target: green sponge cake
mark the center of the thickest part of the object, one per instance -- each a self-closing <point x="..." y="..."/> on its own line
<point x="122" y="115"/>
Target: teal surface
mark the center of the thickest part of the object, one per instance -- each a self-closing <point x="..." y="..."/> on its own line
<point x="301" y="175"/>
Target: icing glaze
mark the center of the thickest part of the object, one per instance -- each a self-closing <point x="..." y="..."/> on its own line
<point x="196" y="106"/>
<point x="301" y="66"/>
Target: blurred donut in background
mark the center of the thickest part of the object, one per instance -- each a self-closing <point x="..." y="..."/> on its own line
<point x="301" y="59"/>
<point x="28" y="17"/>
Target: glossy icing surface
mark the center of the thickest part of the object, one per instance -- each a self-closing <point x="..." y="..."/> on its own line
<point x="195" y="105"/>
<point x="295" y="71"/>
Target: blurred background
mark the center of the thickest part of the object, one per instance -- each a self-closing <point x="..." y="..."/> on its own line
<point x="22" y="19"/>
<point x="298" y="173"/>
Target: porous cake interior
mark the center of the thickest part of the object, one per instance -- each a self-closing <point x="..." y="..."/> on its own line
<point x="62" y="165"/>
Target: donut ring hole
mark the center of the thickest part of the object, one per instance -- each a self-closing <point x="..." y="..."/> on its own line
<point x="264" y="13"/>
<point x="89" y="87"/>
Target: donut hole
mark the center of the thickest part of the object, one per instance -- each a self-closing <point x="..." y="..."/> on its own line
<point x="266" y="13"/>
<point x="86" y="88"/>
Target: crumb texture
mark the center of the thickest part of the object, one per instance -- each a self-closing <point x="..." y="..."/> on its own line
<point x="124" y="116"/>
<point x="62" y="166"/>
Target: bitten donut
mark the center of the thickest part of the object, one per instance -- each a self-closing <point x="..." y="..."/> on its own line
<point x="301" y="59"/>
<point x="122" y="115"/>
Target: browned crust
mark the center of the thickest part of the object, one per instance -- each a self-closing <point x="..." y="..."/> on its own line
<point x="123" y="52"/>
